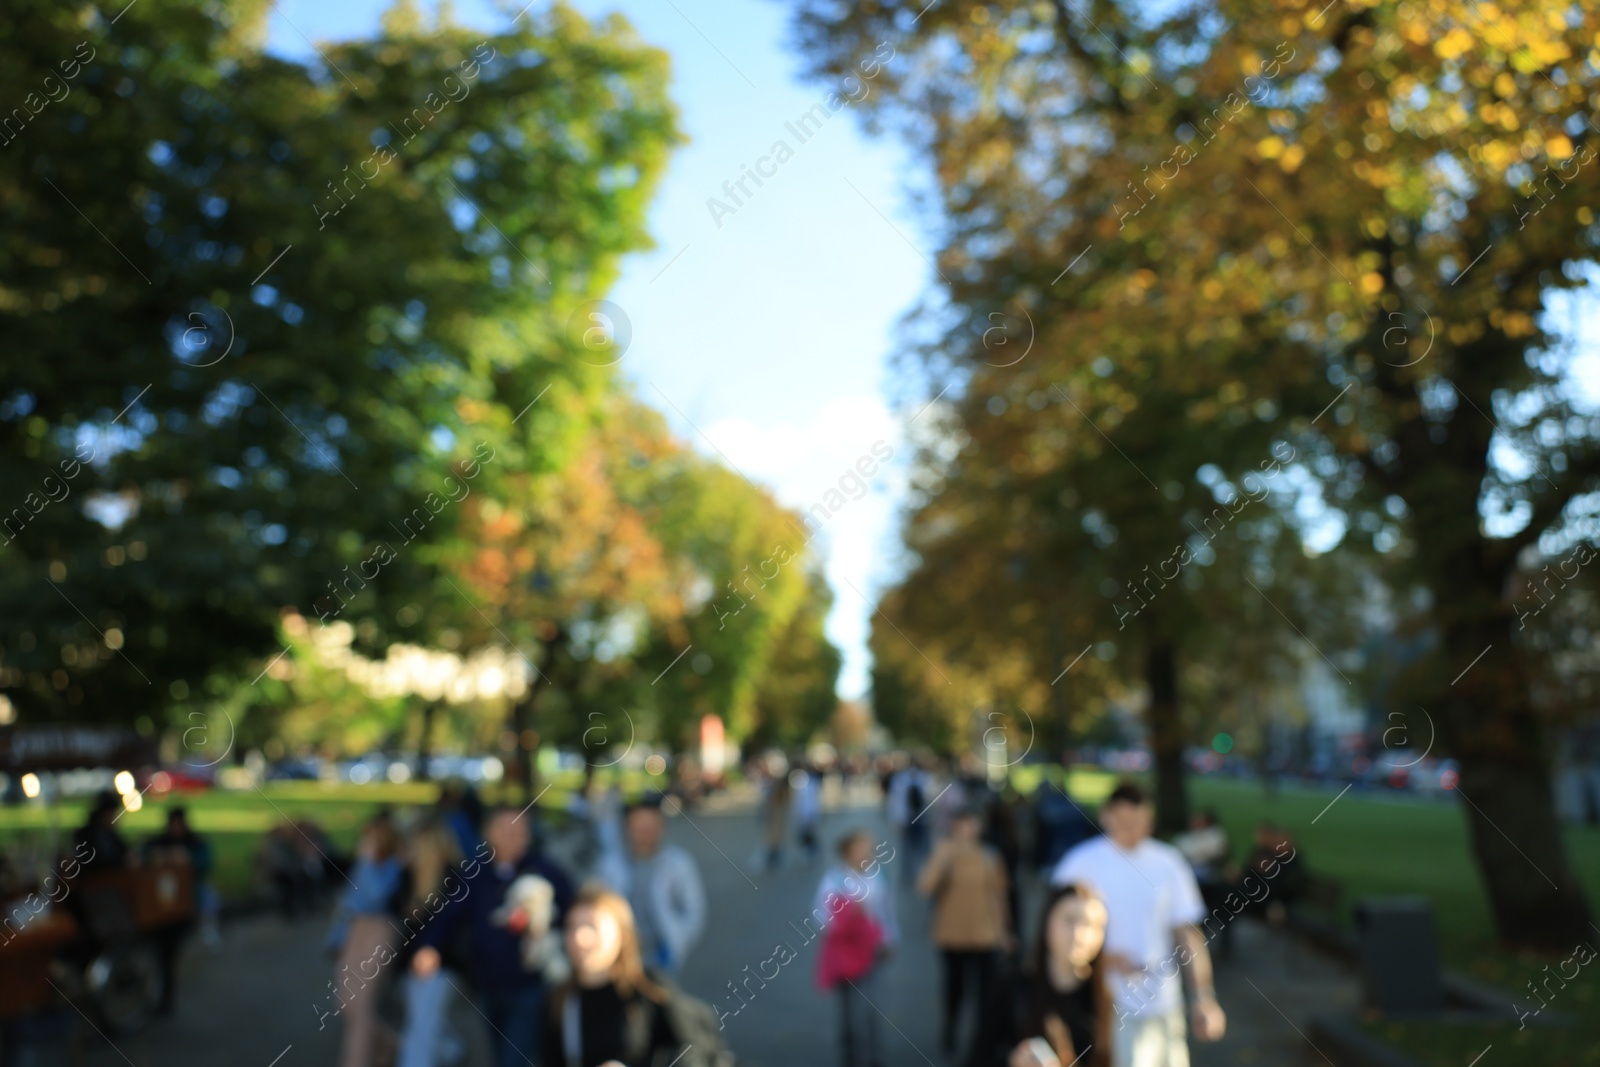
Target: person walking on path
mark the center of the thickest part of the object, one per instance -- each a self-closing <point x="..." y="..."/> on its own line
<point x="178" y="843"/>
<point x="617" y="1011"/>
<point x="661" y="883"/>
<point x="1065" y="1015"/>
<point x="909" y="797"/>
<point x="856" y="901"/>
<point x="806" y="784"/>
<point x="363" y="936"/>
<point x="1153" y="907"/>
<point x="1002" y="833"/>
<point x="971" y="928"/>
<point x="512" y="995"/>
<point x="433" y="869"/>
<point x="462" y="811"/>
<point x="775" y="807"/>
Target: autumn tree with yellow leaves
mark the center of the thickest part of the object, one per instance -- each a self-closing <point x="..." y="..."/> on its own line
<point x="1346" y="224"/>
<point x="640" y="581"/>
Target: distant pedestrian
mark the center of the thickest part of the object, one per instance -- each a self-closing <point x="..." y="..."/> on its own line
<point x="1205" y="845"/>
<point x="281" y="872"/>
<point x="616" y="1010"/>
<point x="775" y="813"/>
<point x="510" y="983"/>
<point x="324" y="865"/>
<point x="807" y="786"/>
<point x="364" y="938"/>
<point x="607" y="812"/>
<point x="98" y="838"/>
<point x="857" y="901"/>
<point x="1153" y="906"/>
<point x="462" y="811"/>
<point x="1059" y="825"/>
<point x="1274" y="858"/>
<point x="178" y="843"/>
<point x="967" y="882"/>
<point x="910" y="796"/>
<point x="1065" y="1009"/>
<point x="1002" y="833"/>
<point x="662" y="884"/>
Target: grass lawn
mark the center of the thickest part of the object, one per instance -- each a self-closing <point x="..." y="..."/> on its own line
<point x="233" y="821"/>
<point x="1383" y="846"/>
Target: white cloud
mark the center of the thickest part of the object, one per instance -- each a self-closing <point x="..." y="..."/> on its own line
<point x="806" y="465"/>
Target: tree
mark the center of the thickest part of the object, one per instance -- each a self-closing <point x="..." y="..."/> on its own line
<point x="1040" y="538"/>
<point x="566" y="566"/>
<point x="654" y="587"/>
<point x="342" y="703"/>
<point x="1372" y="220"/>
<point x="796" y="696"/>
<point x="267" y="320"/>
<point x="752" y="573"/>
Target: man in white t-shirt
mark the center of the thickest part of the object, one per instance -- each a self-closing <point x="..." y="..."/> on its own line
<point x="1154" y="907"/>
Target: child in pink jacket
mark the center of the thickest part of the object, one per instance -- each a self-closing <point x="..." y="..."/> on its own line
<point x="855" y="902"/>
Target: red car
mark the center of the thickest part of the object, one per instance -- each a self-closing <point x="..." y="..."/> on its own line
<point x="156" y="783"/>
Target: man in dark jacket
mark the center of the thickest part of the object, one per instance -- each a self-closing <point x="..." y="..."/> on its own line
<point x="511" y="997"/>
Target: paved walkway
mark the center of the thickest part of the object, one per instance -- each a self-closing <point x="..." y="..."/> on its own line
<point x="252" y="1004"/>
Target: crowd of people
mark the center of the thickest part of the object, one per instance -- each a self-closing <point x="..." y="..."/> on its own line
<point x="465" y="899"/>
<point x="1117" y="969"/>
<point x="1061" y="939"/>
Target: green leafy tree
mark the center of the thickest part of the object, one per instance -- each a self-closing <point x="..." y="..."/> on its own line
<point x="796" y="696"/>
<point x="265" y="320"/>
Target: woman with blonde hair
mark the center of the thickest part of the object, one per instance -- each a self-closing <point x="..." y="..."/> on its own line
<point x="432" y="855"/>
<point x="614" y="1011"/>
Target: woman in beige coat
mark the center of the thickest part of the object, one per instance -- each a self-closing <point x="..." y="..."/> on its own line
<point x="971" y="927"/>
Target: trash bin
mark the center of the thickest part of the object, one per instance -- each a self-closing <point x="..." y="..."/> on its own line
<point x="1399" y="955"/>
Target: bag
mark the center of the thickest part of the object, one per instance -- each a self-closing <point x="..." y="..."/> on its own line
<point x="694" y="1023"/>
<point x="849" y="946"/>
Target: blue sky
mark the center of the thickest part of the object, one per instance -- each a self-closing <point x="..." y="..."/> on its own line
<point x="765" y="338"/>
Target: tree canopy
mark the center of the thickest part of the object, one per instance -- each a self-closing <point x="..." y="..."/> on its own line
<point x="312" y="338"/>
<point x="1269" y="224"/>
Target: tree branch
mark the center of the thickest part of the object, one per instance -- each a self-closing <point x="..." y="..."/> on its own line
<point x="1093" y="62"/>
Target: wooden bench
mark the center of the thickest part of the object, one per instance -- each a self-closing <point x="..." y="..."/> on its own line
<point x="1316" y="916"/>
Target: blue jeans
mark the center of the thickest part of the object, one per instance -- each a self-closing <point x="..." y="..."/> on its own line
<point x="427" y="1023"/>
<point x="516" y="1023"/>
<point x="858" y="1021"/>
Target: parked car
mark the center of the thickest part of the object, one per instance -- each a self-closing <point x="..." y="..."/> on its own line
<point x="158" y="782"/>
<point x="294" y="770"/>
<point x="1422" y="775"/>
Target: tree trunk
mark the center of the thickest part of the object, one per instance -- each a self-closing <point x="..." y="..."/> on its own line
<point x="1488" y="724"/>
<point x="1058" y="689"/>
<point x="530" y="758"/>
<point x="430" y="710"/>
<point x="553" y="667"/>
<point x="516" y="768"/>
<point x="1166" y="738"/>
